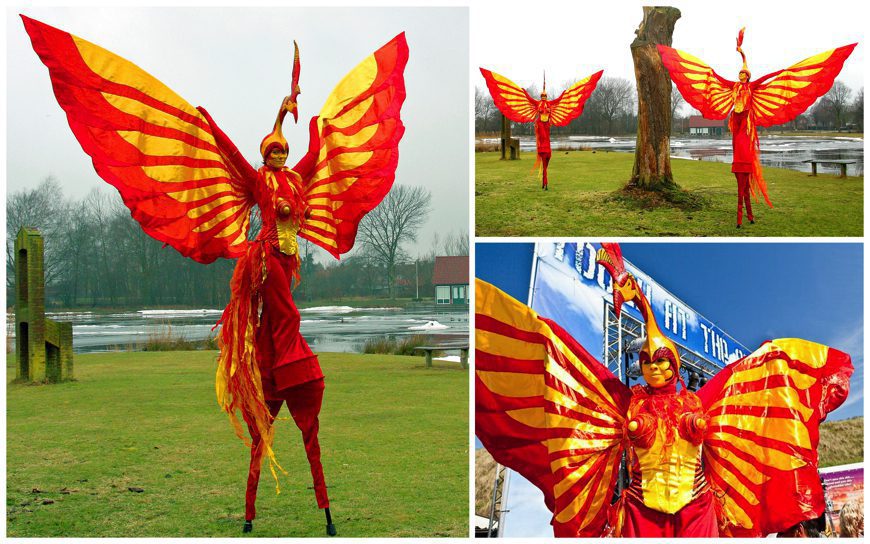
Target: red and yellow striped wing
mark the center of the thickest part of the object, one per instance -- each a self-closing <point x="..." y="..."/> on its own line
<point x="761" y="443"/>
<point x="570" y="103"/>
<point x="511" y="99"/>
<point x="354" y="149"/>
<point x="548" y="409"/>
<point x="781" y="96"/>
<point x="157" y="150"/>
<point x="700" y="85"/>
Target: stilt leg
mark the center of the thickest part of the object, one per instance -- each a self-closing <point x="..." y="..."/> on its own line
<point x="330" y="527"/>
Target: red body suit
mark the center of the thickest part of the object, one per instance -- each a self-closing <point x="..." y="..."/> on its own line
<point x="289" y="370"/>
<point x="542" y="140"/>
<point x="668" y="495"/>
<point x="744" y="151"/>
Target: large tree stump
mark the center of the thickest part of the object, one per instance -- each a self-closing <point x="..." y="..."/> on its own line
<point x="652" y="159"/>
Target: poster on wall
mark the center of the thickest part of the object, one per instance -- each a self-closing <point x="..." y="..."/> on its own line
<point x="844" y="484"/>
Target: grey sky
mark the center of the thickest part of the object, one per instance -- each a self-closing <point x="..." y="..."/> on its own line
<point x="236" y="63"/>
<point x="572" y="41"/>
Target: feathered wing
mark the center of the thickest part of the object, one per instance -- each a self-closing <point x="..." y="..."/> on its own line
<point x="700" y="85"/>
<point x="159" y="152"/>
<point x="781" y="96"/>
<point x="511" y="99"/>
<point x="354" y="148"/>
<point x="548" y="409"/>
<point x="570" y="103"/>
<point x="760" y="448"/>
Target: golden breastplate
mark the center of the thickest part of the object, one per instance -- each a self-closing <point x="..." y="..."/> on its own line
<point x="287" y="230"/>
<point x="668" y="473"/>
<point x="741" y="98"/>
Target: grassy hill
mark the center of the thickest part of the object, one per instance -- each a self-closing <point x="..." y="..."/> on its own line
<point x="583" y="200"/>
<point x="394" y="436"/>
<point x="841" y="442"/>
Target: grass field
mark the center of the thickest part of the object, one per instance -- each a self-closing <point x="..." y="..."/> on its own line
<point x="583" y="200"/>
<point x="394" y="436"/>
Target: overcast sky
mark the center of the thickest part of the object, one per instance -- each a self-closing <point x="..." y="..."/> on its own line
<point x="236" y="62"/>
<point x="572" y="41"/>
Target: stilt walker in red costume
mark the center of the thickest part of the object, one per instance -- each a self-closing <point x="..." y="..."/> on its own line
<point x="736" y="459"/>
<point x="773" y="99"/>
<point x="188" y="186"/>
<point x="516" y="104"/>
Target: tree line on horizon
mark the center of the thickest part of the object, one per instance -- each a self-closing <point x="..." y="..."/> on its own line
<point x="96" y="255"/>
<point x="612" y="111"/>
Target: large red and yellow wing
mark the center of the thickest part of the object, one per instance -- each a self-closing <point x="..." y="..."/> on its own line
<point x="760" y="448"/>
<point x="354" y="148"/>
<point x="570" y="103"/>
<point x="548" y="409"/>
<point x="511" y="99"/>
<point x="781" y="96"/>
<point x="700" y="85"/>
<point x="157" y="150"/>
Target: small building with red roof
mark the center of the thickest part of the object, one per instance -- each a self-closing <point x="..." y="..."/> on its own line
<point x="706" y="127"/>
<point x="450" y="278"/>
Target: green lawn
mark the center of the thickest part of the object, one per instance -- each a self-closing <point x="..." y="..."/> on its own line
<point x="394" y="436"/>
<point x="583" y="200"/>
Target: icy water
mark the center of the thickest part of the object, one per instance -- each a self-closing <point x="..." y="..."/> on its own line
<point x="777" y="151"/>
<point x="326" y="328"/>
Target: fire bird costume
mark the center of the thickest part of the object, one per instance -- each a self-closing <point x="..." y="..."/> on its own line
<point x="773" y="99"/>
<point x="736" y="459"/>
<point x="516" y="104"/>
<point x="188" y="186"/>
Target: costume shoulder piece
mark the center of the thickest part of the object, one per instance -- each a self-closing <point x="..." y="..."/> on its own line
<point x="182" y="179"/>
<point x="548" y="409"/>
<point x="511" y="99"/>
<point x="570" y="103"/>
<point x="761" y="443"/>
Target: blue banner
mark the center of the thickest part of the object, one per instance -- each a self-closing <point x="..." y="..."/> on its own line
<point x="570" y="288"/>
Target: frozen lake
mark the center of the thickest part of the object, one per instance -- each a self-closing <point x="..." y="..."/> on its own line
<point x="326" y="328"/>
<point x="777" y="151"/>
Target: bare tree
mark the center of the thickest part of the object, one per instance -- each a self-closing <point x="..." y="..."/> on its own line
<point x="858" y="109"/>
<point x="394" y="222"/>
<point x="616" y="98"/>
<point x="486" y="115"/>
<point x="839" y="98"/>
<point x="43" y="208"/>
<point x="677" y="102"/>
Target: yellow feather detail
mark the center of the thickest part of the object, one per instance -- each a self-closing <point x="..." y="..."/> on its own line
<point x="176" y="173"/>
<point x="352" y="85"/>
<point x="217" y="219"/>
<point x="120" y="70"/>
<point x="156" y="117"/>
<point x="200" y="193"/>
<point x="512" y="384"/>
<point x="791" y="431"/>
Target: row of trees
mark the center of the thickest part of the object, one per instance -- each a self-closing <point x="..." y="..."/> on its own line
<point x="97" y="255"/>
<point x="612" y="111"/>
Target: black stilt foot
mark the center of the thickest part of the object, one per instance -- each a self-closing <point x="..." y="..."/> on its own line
<point x="330" y="527"/>
<point x="248" y="526"/>
<point x="752" y="221"/>
<point x="738" y="226"/>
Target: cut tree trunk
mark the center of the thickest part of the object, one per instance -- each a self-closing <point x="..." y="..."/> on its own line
<point x="652" y="159"/>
